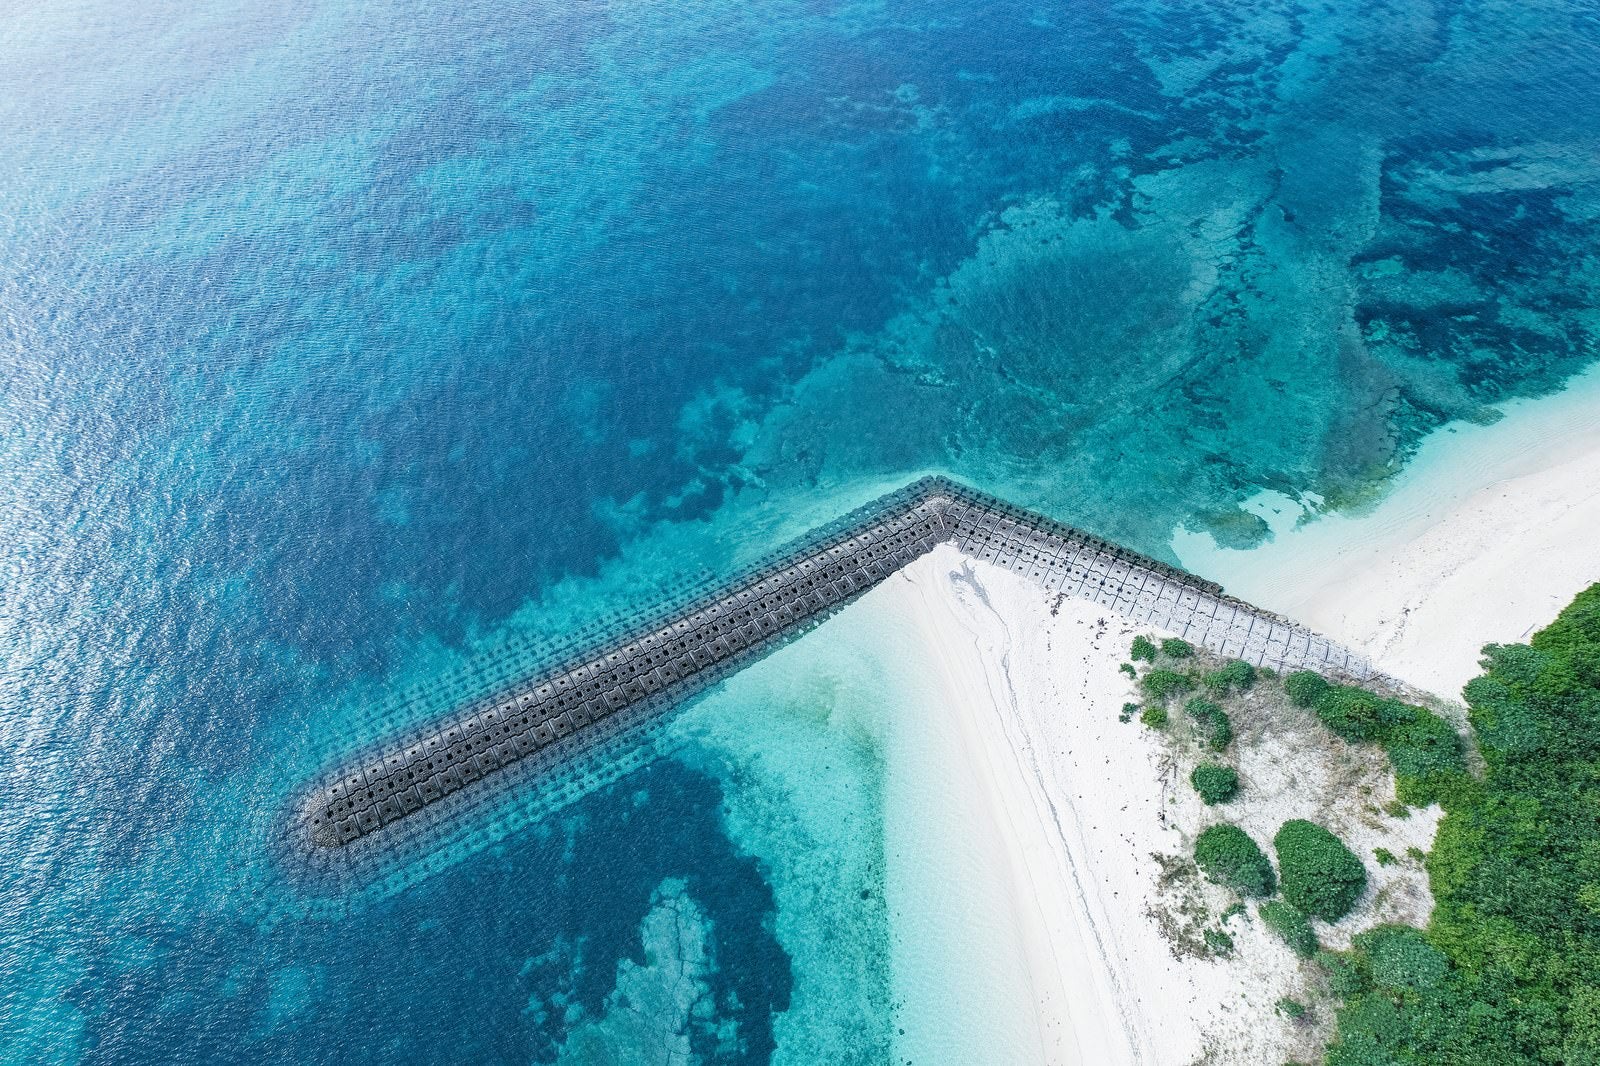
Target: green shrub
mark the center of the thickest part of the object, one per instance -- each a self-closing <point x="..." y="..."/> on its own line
<point x="1162" y="684"/>
<point x="1583" y="1025"/>
<point x="1291" y="925"/>
<point x="1218" y="941"/>
<point x="1173" y="648"/>
<point x="1227" y="855"/>
<point x="1423" y="748"/>
<point x="1351" y="713"/>
<point x="1425" y="752"/>
<point x="1128" y="711"/>
<point x="1215" y="783"/>
<point x="1384" y="856"/>
<point x="1154" y="716"/>
<point x="1304" y="686"/>
<point x="1345" y="978"/>
<point x="1381" y="1026"/>
<point x="1212" y="722"/>
<point x="1321" y="876"/>
<point x="1398" y="998"/>
<point x="1573" y="640"/>
<point x="1399" y="959"/>
<point x="1236" y="676"/>
<point x="1128" y="669"/>
<point x="1143" y="650"/>
<point x="1291" y="1008"/>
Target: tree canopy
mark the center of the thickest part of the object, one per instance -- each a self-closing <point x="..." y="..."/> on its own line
<point x="1507" y="972"/>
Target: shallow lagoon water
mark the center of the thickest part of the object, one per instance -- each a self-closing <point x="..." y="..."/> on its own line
<point x="1449" y="468"/>
<point x="848" y="780"/>
<point x="349" y="346"/>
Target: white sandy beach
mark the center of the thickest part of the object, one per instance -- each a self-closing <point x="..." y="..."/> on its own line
<point x="1484" y="539"/>
<point x="1089" y="806"/>
<point x="1034" y="868"/>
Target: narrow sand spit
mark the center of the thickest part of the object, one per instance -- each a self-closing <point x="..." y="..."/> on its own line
<point x="1098" y="817"/>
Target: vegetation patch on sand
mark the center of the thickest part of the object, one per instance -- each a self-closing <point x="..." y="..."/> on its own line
<point x="1215" y="783"/>
<point x="1291" y="925"/>
<point x="1253" y="741"/>
<point x="1321" y="876"/>
<point x="1227" y="855"/>
<point x="1423" y="748"/>
<point x="1507" y="971"/>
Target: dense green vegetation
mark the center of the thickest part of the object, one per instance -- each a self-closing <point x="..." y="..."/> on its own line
<point x="1234" y="676"/>
<point x="1321" y="876"/>
<point x="1304" y="686"/>
<point x="1173" y="648"/>
<point x="1162" y="684"/>
<point x="1211" y="721"/>
<point x="1290" y="923"/>
<point x="1508" y="970"/>
<point x="1423" y="748"/>
<point x="1143" y="650"/>
<point x="1227" y="855"/>
<point x="1215" y="783"/>
<point x="1154" y="716"/>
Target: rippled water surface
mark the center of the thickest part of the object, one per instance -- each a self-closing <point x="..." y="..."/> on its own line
<point x="347" y="346"/>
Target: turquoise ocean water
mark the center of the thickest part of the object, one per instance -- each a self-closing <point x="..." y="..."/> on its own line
<point x="345" y="347"/>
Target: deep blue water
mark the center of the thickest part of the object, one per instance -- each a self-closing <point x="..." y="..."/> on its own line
<point x="341" y="341"/>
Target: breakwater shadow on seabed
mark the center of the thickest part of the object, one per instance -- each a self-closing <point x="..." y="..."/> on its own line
<point x="597" y="706"/>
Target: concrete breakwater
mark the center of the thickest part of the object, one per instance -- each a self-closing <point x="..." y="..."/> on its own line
<point x="594" y="697"/>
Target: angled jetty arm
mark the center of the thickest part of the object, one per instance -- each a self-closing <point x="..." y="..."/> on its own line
<point x="670" y="656"/>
